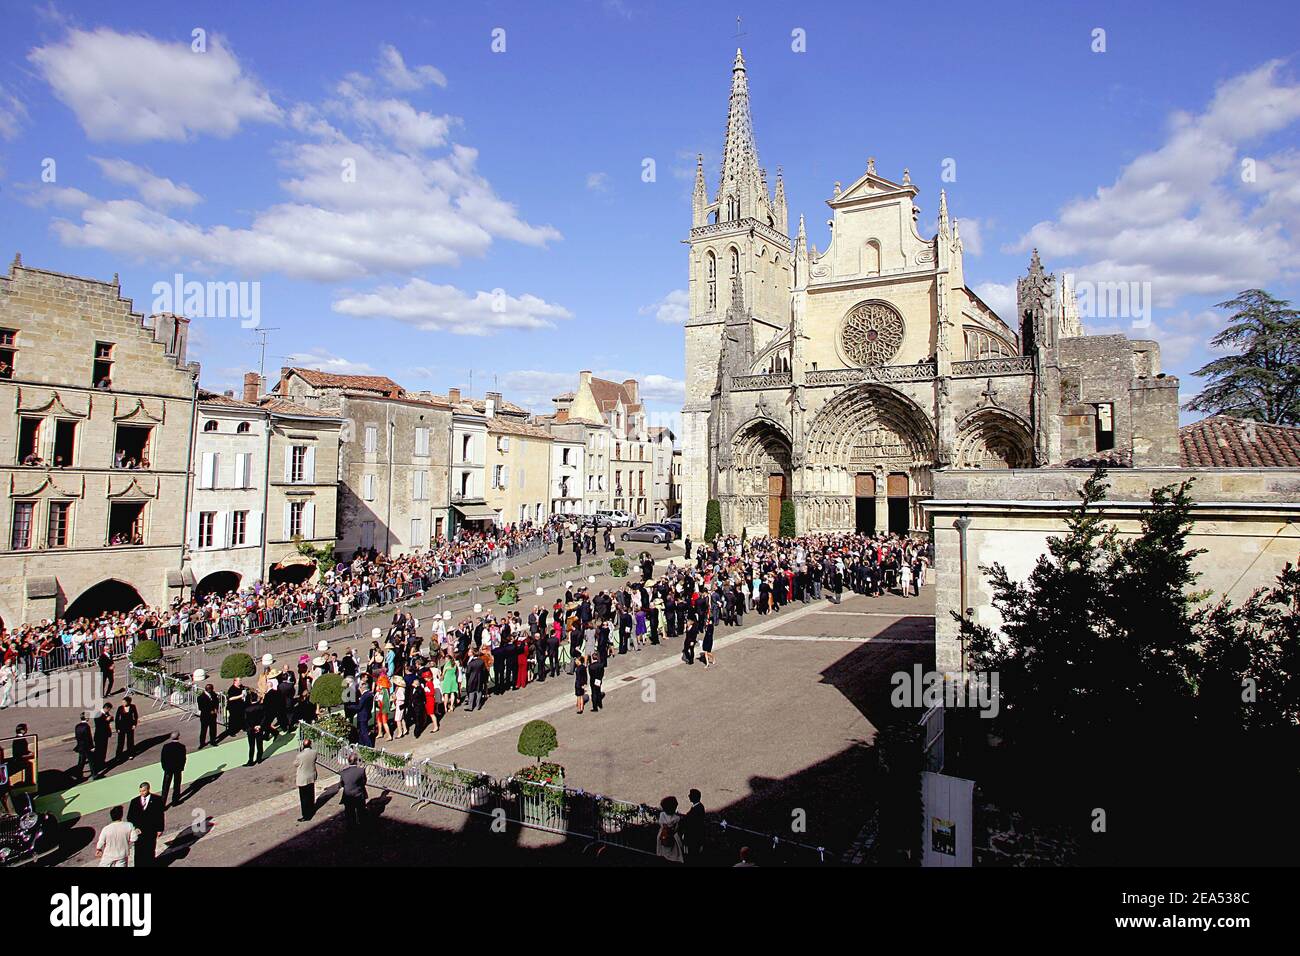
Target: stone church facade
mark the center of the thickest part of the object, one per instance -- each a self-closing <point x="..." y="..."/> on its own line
<point x="843" y="379"/>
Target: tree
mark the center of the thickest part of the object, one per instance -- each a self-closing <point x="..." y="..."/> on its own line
<point x="327" y="691"/>
<point x="1262" y="381"/>
<point x="712" y="520"/>
<point x="537" y="739"/>
<point x="1102" y="633"/>
<point x="787" y="519"/>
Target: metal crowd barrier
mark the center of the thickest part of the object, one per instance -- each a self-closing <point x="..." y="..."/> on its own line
<point x="540" y="806"/>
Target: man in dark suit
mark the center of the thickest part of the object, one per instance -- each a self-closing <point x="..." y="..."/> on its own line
<point x="173" y="764"/>
<point x="124" y="722"/>
<point x="365" y="709"/>
<point x="209" y="703"/>
<point x="85" y="747"/>
<point x="693" y="827"/>
<point x="145" y="813"/>
<point x="254" y="718"/>
<point x="103" y="731"/>
<point x="596" y="674"/>
<point x="353" y="779"/>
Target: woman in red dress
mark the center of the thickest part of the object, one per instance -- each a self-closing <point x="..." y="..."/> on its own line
<point x="432" y="690"/>
<point x="522" y="679"/>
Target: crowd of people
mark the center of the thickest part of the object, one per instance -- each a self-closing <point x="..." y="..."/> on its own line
<point x="408" y="682"/>
<point x="365" y="580"/>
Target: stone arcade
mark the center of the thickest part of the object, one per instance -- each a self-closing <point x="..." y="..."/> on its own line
<point x="841" y="379"/>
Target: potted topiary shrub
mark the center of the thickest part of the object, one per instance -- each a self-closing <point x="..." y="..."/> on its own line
<point x="238" y="664"/>
<point x="147" y="654"/>
<point x="327" y="691"/>
<point x="540" y="786"/>
<point x="618" y="565"/>
<point x="712" y="519"/>
<point x="507" y="591"/>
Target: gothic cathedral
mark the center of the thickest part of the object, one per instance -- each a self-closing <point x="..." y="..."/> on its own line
<point x="841" y="379"/>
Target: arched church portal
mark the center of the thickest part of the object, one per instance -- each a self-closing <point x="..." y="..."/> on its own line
<point x="760" y="479"/>
<point x="867" y="469"/>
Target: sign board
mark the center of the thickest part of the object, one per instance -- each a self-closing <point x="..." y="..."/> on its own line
<point x="947" y="814"/>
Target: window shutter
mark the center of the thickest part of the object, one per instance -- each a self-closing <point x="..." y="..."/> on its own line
<point x="254" y="533"/>
<point x="309" y="520"/>
<point x="285" y="535"/>
<point x="310" y="471"/>
<point x="288" y="468"/>
<point x="194" y="530"/>
<point x="247" y="474"/>
<point x="205" y="470"/>
<point x="219" y="530"/>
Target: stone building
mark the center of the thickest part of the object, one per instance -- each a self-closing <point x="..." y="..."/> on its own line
<point x="95" y="448"/>
<point x="843" y="379"/>
<point x="568" y="449"/>
<point x="518" y="469"/>
<point x="394" y="458"/>
<point x="665" y="502"/>
<point x="266" y="479"/>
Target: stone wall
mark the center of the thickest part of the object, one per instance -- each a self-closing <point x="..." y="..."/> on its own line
<point x="1247" y="520"/>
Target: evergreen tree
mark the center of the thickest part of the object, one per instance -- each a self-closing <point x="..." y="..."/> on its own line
<point x="712" y="520"/>
<point x="1262" y="380"/>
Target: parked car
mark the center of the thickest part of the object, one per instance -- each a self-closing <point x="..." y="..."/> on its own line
<point x="657" y="533"/>
<point x="613" y="518"/>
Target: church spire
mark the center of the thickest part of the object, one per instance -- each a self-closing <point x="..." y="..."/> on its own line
<point x="779" y="207"/>
<point x="700" y="199"/>
<point x="943" y="213"/>
<point x="739" y="186"/>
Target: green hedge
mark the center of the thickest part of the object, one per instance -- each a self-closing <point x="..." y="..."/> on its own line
<point x="146" y="654"/>
<point x="238" y="665"/>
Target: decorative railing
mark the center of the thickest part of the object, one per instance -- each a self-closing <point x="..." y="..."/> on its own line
<point x="916" y="372"/>
<point x="1004" y="365"/>
<point x="744" y="225"/>
<point x="746" y="383"/>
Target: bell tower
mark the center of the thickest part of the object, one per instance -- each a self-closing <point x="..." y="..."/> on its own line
<point x="739" y="289"/>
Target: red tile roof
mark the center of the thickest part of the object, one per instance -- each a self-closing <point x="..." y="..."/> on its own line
<point x="368" y="383"/>
<point x="505" y="426"/>
<point x="1224" y="442"/>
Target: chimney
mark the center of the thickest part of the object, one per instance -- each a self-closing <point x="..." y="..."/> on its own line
<point x="584" y="377"/>
<point x="283" y="387"/>
<point x="453" y="395"/>
<point x="492" y="403"/>
<point x="630" y="386"/>
<point x="252" y="387"/>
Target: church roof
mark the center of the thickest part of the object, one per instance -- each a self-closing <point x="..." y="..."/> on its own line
<point x="1222" y="441"/>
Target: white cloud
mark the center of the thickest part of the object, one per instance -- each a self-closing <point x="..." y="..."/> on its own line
<point x="324" y="361"/>
<point x="409" y="129"/>
<point x="395" y="72"/>
<point x="12" y="114"/>
<point x="399" y="214"/>
<point x="972" y="236"/>
<point x="1000" y="297"/>
<point x="1179" y="216"/>
<point x="444" y="308"/>
<point x="598" y="182"/>
<point x="674" y="308"/>
<point x="136" y="88"/>
<point x="156" y="191"/>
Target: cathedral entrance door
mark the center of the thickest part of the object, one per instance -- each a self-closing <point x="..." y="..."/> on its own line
<point x="899" y="504"/>
<point x="864" y="490"/>
<point x="777" y="491"/>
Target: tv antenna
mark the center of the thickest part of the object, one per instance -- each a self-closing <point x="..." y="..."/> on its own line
<point x="261" y="362"/>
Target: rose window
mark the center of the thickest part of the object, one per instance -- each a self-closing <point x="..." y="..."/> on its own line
<point x="872" y="334"/>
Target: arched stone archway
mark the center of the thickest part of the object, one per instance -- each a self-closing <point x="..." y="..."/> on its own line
<point x="218" y="582"/>
<point x="759" y="478"/>
<point x="106" y="596"/>
<point x="994" y="438"/>
<point x="869" y="454"/>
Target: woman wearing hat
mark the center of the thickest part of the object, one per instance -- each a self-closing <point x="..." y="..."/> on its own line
<point x="383" y="706"/>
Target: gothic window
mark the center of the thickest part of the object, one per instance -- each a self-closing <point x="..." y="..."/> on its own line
<point x="871" y="334"/>
<point x="711" y="263"/>
<point x="981" y="345"/>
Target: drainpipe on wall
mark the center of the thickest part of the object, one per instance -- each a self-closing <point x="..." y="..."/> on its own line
<point x="962" y="524"/>
<point x="388" y="521"/>
<point x="189" y="466"/>
<point x="263" y="572"/>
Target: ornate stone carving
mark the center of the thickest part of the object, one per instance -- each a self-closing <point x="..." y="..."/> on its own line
<point x="918" y="372"/>
<point x="871" y="334"/>
<point x="1011" y="365"/>
<point x="749" y="383"/>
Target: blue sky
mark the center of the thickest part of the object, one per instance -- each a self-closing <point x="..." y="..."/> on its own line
<point x="521" y="171"/>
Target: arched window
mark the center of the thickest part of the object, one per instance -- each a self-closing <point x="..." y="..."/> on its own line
<point x="711" y="265"/>
<point x="871" y="258"/>
<point x="210" y="426"/>
<point x="243" y="428"/>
